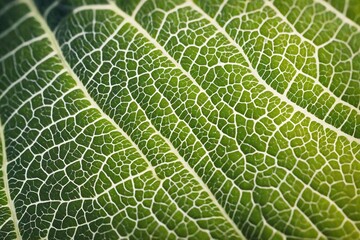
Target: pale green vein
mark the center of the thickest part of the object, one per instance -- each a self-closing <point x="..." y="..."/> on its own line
<point x="6" y="185"/>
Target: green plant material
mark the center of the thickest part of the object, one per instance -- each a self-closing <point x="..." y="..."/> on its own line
<point x="171" y="119"/>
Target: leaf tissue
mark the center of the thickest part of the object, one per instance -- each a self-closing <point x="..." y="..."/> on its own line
<point x="180" y="119"/>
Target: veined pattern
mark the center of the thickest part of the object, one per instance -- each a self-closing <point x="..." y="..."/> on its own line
<point x="222" y="119"/>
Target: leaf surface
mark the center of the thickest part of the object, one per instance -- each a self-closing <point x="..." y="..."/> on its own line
<point x="179" y="119"/>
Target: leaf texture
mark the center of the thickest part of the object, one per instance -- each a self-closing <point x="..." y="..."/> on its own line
<point x="222" y="119"/>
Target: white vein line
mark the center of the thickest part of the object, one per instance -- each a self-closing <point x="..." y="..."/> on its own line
<point x="8" y="220"/>
<point x="212" y="20"/>
<point x="294" y="207"/>
<point x="127" y="18"/>
<point x="15" y="25"/>
<point x="140" y="29"/>
<point x="188" y="167"/>
<point x="267" y="87"/>
<point x="172" y="148"/>
<point x="166" y="15"/>
<point x="24" y="75"/>
<point x="50" y="8"/>
<point x="8" y="6"/>
<point x="221" y="7"/>
<point x="177" y="65"/>
<point x="55" y="46"/>
<point x="186" y="214"/>
<point x="39" y="133"/>
<point x="16" y="111"/>
<point x="308" y="186"/>
<point x="338" y="14"/>
<point x="22" y="45"/>
<point x="108" y="118"/>
<point x="104" y="7"/>
<point x="346" y="7"/>
<point x="97" y="195"/>
<point x="137" y="8"/>
<point x="316" y="80"/>
<point x="6" y="184"/>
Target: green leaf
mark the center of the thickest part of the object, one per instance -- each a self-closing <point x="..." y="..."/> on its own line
<point x="147" y="119"/>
